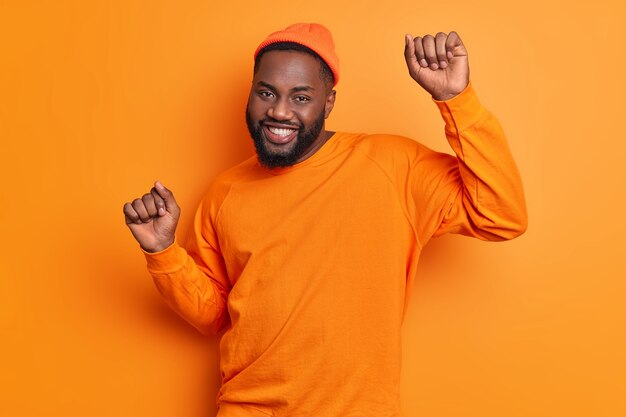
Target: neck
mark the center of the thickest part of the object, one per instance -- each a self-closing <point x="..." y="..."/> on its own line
<point x="317" y="144"/>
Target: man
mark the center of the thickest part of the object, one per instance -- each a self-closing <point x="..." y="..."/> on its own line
<point x="303" y="254"/>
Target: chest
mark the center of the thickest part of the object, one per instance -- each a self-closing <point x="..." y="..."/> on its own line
<point x="310" y="216"/>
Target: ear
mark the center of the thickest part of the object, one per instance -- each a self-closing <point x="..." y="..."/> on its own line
<point x="330" y="103"/>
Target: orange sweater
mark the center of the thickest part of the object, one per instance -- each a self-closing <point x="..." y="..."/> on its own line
<point x="307" y="267"/>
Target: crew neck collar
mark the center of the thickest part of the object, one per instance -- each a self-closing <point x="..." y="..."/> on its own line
<point x="321" y="155"/>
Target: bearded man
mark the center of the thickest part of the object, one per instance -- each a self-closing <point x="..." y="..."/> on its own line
<point x="303" y="254"/>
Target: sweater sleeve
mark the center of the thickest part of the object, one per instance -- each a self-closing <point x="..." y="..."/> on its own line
<point x="194" y="282"/>
<point x="479" y="193"/>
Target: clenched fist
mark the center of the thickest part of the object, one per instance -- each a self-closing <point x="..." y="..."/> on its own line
<point x="152" y="219"/>
<point x="438" y="63"/>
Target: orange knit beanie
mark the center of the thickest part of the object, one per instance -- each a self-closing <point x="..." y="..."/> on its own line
<point x="312" y="35"/>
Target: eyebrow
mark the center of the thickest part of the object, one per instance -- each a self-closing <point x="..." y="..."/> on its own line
<point x="293" y="90"/>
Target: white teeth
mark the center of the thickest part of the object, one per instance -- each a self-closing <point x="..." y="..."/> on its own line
<point x="280" y="131"/>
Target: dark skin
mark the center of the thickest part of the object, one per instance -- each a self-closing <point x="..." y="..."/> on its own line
<point x="288" y="93"/>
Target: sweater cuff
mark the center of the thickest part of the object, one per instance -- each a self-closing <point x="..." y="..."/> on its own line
<point x="461" y="111"/>
<point x="170" y="259"/>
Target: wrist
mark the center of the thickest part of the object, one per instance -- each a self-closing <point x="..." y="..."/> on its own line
<point x="160" y="247"/>
<point x="444" y="97"/>
<point x="451" y="91"/>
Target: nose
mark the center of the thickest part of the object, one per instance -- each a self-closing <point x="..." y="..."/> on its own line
<point x="280" y="110"/>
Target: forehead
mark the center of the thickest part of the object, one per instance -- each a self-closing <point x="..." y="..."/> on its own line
<point x="289" y="68"/>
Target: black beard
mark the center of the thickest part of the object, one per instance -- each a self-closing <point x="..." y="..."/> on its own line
<point x="303" y="142"/>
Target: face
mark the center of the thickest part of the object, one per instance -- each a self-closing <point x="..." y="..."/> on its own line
<point x="287" y="106"/>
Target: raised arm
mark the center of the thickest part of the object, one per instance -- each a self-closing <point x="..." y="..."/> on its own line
<point x="193" y="282"/>
<point x="479" y="193"/>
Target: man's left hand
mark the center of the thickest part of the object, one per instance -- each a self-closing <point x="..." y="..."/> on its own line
<point x="439" y="64"/>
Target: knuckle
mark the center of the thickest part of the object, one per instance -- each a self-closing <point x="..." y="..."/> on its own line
<point x="130" y="213"/>
<point x="419" y="50"/>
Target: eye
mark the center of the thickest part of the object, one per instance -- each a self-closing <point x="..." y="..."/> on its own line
<point x="265" y="94"/>
<point x="302" y="99"/>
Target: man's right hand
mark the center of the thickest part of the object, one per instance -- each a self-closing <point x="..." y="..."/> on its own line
<point x="152" y="219"/>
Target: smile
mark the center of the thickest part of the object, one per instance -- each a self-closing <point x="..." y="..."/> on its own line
<point x="279" y="135"/>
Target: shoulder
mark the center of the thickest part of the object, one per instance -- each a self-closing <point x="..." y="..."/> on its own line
<point x="220" y="186"/>
<point x="400" y="158"/>
<point x="387" y="149"/>
<point x="241" y="172"/>
<point x="384" y="142"/>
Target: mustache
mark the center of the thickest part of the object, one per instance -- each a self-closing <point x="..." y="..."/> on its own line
<point x="282" y="122"/>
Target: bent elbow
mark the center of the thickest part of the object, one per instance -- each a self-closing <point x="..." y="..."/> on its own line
<point x="522" y="225"/>
<point x="212" y="326"/>
<point x="519" y="230"/>
<point x="521" y="219"/>
<point x="503" y="226"/>
<point x="207" y="330"/>
<point x="516" y="225"/>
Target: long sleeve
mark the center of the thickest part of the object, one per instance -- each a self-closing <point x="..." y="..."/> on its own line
<point x="194" y="282"/>
<point x="479" y="193"/>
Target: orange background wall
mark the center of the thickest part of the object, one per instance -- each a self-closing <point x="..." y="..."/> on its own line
<point x="99" y="99"/>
